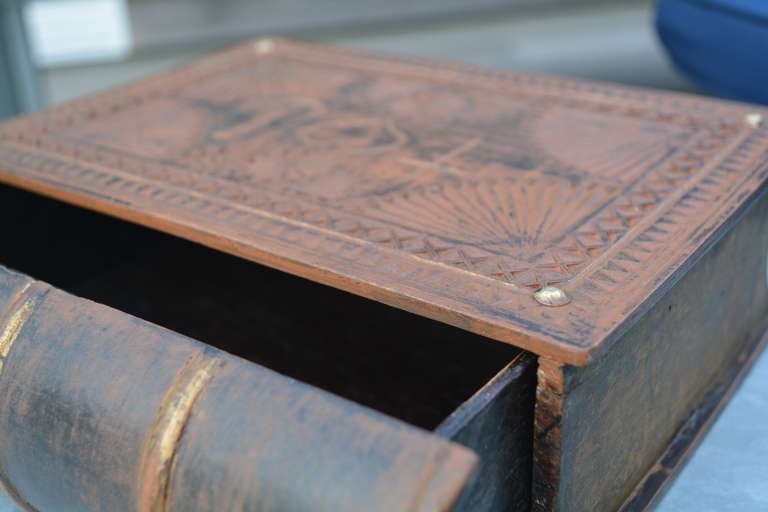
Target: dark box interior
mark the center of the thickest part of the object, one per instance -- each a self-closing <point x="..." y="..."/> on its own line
<point x="404" y="365"/>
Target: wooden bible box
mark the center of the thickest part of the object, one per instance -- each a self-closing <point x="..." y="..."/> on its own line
<point x="415" y="286"/>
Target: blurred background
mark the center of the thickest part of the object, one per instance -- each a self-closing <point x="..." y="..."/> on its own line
<point x="76" y="47"/>
<point x="52" y="51"/>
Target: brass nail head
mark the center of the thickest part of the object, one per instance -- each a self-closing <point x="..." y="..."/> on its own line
<point x="265" y="46"/>
<point x="551" y="296"/>
<point x="753" y="120"/>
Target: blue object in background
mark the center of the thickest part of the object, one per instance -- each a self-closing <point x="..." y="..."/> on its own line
<point x="722" y="45"/>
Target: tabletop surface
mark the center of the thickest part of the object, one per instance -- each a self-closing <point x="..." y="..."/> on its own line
<point x="729" y="470"/>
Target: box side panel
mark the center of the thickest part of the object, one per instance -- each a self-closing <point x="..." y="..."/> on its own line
<point x="616" y="417"/>
<point x="655" y="483"/>
<point x="497" y="424"/>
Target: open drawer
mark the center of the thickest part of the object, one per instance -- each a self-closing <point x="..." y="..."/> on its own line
<point x="102" y="411"/>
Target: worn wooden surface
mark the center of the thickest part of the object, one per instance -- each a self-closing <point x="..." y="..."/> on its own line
<point x="103" y="411"/>
<point x="600" y="429"/>
<point x="497" y="424"/>
<point x="449" y="191"/>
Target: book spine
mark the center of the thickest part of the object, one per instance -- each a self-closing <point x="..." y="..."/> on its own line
<point x="101" y="411"/>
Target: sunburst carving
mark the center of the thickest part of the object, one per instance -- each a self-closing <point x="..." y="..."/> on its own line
<point x="518" y="216"/>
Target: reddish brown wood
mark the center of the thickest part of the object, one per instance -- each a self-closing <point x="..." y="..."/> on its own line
<point x="445" y="190"/>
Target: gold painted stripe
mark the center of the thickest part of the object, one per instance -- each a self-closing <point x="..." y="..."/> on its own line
<point x="11" y="325"/>
<point x="160" y="448"/>
<point x="16" y="321"/>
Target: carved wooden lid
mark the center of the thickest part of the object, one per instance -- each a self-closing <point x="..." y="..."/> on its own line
<point x="450" y="191"/>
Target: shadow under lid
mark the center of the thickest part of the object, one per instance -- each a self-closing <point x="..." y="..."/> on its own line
<point x="410" y="367"/>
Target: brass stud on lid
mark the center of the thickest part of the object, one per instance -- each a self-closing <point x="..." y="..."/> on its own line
<point x="551" y="296"/>
<point x="264" y="46"/>
<point x="753" y="120"/>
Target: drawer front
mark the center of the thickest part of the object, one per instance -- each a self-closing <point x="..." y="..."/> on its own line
<point x="103" y="411"/>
